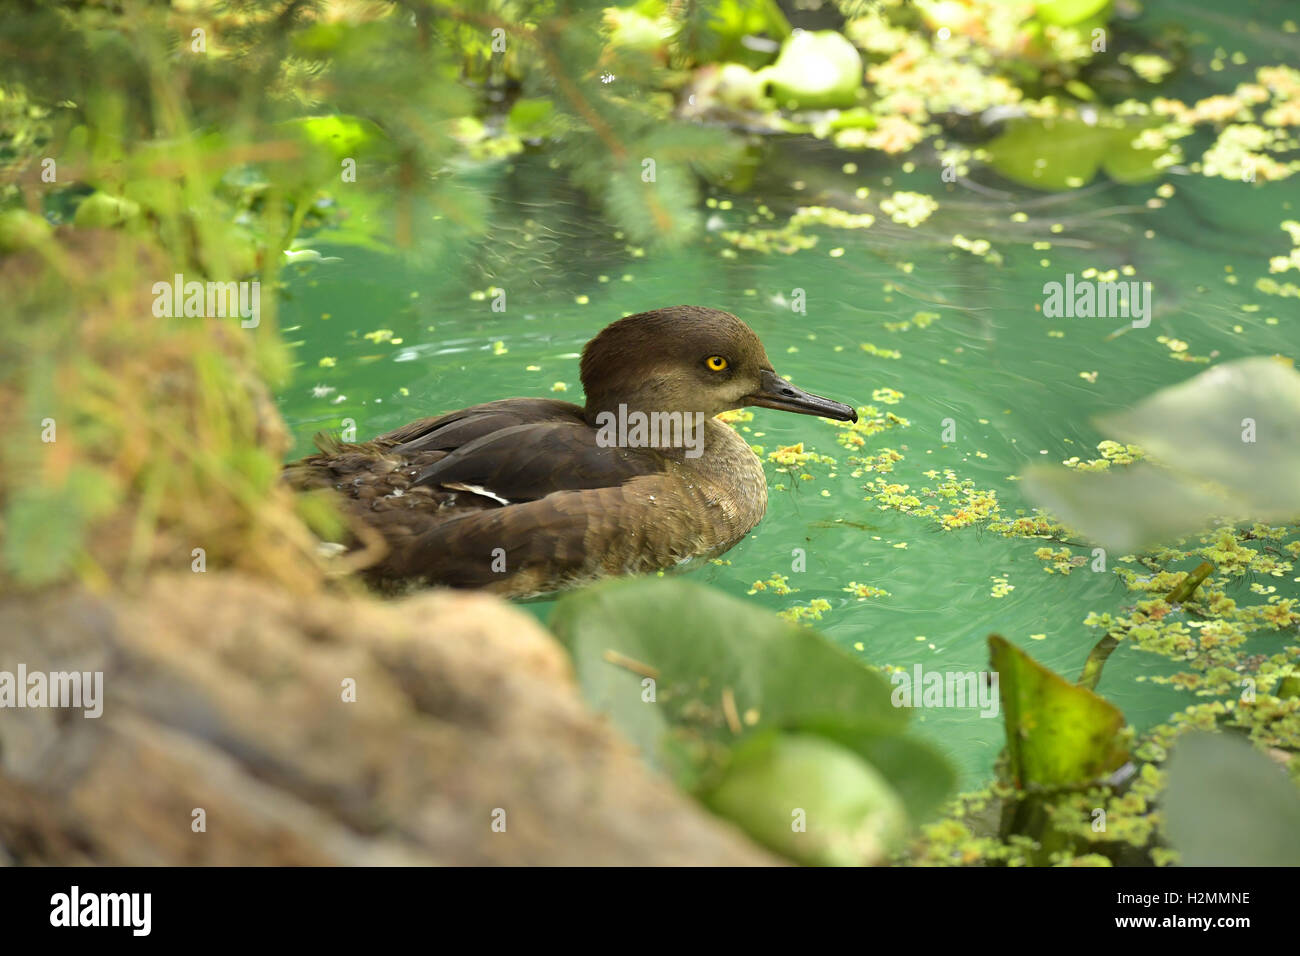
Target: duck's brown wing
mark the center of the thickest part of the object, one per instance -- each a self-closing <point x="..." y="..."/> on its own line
<point x="537" y="547"/>
<point x="511" y="495"/>
<point x="377" y="468"/>
<point x="567" y="509"/>
<point x="450" y="431"/>
<point x="528" y="462"/>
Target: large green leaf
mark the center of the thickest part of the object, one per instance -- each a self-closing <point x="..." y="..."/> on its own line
<point x="702" y="648"/>
<point x="1058" y="733"/>
<point x="1226" y="804"/>
<point x="722" y="671"/>
<point x="1228" y="445"/>
<point x="1200" y="428"/>
<point x="1123" y="509"/>
<point x="921" y="775"/>
<point x="811" y="800"/>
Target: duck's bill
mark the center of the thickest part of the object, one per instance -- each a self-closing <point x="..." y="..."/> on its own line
<point x="776" y="392"/>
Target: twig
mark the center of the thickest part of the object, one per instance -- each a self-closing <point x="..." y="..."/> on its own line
<point x="1096" y="660"/>
<point x="729" y="711"/>
<point x="635" y="666"/>
<point x="1183" y="592"/>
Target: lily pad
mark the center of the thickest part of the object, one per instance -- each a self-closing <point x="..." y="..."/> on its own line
<point x="1057" y="154"/>
<point x="1226" y="804"/>
<point x="702" y="649"/>
<point x="1058" y="733"/>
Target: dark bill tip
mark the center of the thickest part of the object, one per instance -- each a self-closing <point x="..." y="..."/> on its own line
<point x="776" y="392"/>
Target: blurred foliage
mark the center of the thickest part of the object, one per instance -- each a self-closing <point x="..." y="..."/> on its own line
<point x="266" y="101"/>
<point x="1226" y="804"/>
<point x="134" y="439"/>
<point x="1228" y="446"/>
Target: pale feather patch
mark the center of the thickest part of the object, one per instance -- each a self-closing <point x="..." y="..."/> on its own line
<point x="476" y="490"/>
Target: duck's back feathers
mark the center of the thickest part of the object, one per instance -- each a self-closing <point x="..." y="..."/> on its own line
<point x="445" y="432"/>
<point x="478" y="497"/>
<point x="391" y="461"/>
<point x="528" y="462"/>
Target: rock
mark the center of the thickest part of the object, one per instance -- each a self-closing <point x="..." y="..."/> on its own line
<point x="226" y="694"/>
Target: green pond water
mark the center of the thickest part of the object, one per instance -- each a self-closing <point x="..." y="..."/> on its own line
<point x="990" y="362"/>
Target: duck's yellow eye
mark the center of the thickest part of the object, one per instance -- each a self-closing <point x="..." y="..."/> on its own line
<point x="715" y="363"/>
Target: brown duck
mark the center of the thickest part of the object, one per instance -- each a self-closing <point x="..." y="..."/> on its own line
<point x="526" y="496"/>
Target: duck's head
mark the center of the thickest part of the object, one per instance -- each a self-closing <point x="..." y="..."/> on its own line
<point x="689" y="358"/>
